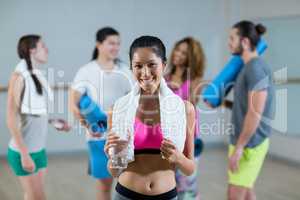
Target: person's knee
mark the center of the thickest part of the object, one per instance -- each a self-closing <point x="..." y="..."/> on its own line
<point x="250" y="194"/>
<point x="250" y="191"/>
<point x="236" y="193"/>
<point x="26" y="197"/>
<point x="40" y="196"/>
<point x="104" y="185"/>
<point x="233" y="196"/>
<point x="37" y="195"/>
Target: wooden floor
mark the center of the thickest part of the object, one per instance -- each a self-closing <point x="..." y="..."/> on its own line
<point x="67" y="180"/>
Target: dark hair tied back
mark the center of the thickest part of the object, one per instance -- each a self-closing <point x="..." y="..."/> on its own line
<point x="261" y="29"/>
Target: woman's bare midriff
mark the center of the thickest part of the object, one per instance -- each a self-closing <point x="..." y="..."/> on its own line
<point x="149" y="175"/>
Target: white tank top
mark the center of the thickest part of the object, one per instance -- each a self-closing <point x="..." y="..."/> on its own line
<point x="104" y="87"/>
<point x="33" y="116"/>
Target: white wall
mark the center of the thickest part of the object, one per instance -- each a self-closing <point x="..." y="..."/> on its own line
<point x="255" y="9"/>
<point x="68" y="28"/>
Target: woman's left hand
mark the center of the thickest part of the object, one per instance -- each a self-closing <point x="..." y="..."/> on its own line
<point x="169" y="151"/>
<point x="60" y="124"/>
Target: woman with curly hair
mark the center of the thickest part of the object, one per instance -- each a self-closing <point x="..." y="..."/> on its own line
<point x="184" y="76"/>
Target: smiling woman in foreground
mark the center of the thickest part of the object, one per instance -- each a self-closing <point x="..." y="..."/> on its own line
<point x="160" y="127"/>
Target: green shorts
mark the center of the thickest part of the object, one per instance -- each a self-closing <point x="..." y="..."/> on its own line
<point x="14" y="160"/>
<point x="249" y="166"/>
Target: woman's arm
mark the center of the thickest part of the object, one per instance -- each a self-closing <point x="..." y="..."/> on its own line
<point x="187" y="163"/>
<point x="74" y="97"/>
<point x="59" y="124"/>
<point x="195" y="90"/>
<point x="184" y="161"/>
<point x="111" y="142"/>
<point x="14" y="96"/>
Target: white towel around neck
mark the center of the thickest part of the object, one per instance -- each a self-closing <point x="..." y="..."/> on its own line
<point x="32" y="102"/>
<point x="172" y="115"/>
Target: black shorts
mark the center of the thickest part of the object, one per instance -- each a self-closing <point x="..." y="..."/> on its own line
<point x="123" y="193"/>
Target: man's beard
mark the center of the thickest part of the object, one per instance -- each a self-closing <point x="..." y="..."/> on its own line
<point x="238" y="51"/>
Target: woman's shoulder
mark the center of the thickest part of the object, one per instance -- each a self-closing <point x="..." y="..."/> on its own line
<point x="86" y="68"/>
<point x="16" y="77"/>
<point x="21" y="68"/>
<point x="16" y="82"/>
<point x="90" y="65"/>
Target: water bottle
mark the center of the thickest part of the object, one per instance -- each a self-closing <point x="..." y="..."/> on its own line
<point x="92" y="113"/>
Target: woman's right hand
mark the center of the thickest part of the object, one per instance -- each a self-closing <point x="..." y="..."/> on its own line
<point x="208" y="104"/>
<point x="27" y="163"/>
<point x="113" y="140"/>
<point x="84" y="123"/>
<point x="80" y="118"/>
<point x="74" y="98"/>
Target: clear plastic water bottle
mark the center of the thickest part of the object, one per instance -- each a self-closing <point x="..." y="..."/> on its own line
<point x="118" y="154"/>
<point x="118" y="158"/>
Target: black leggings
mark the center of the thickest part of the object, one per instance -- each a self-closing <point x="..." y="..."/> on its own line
<point x="123" y="193"/>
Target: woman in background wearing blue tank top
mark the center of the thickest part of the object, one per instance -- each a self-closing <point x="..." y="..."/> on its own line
<point x="104" y="80"/>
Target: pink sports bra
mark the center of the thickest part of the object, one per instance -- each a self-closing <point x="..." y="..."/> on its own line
<point x="147" y="138"/>
<point x="183" y="90"/>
